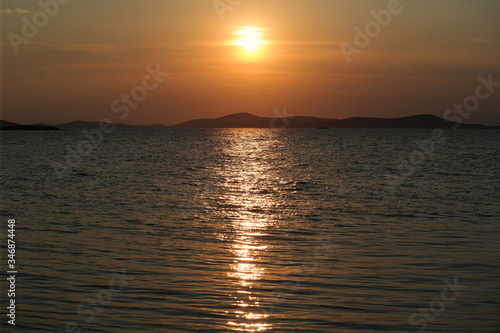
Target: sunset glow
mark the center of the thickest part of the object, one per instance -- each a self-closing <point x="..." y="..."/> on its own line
<point x="323" y="58"/>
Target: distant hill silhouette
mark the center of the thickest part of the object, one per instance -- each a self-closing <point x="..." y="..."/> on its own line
<point x="9" y="126"/>
<point x="80" y="124"/>
<point x="91" y="124"/>
<point x="4" y="123"/>
<point x="29" y="128"/>
<point x="418" y="121"/>
<point x="247" y="120"/>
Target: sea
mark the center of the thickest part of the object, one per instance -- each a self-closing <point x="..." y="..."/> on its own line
<point x="252" y="230"/>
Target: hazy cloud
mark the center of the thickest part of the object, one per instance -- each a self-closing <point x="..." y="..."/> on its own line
<point x="16" y="11"/>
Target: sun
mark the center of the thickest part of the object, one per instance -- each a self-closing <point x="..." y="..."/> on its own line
<point x="250" y="39"/>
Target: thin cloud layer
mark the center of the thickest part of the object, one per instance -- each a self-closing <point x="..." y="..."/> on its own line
<point x="16" y="11"/>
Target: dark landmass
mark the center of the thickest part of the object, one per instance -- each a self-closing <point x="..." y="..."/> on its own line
<point x="86" y="124"/>
<point x="79" y="124"/>
<point x="246" y="120"/>
<point x="4" y="123"/>
<point x="418" y="121"/>
<point x="91" y="124"/>
<point x="29" y="128"/>
<point x="42" y="124"/>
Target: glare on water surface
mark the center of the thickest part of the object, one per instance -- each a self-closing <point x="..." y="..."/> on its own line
<point x="250" y="162"/>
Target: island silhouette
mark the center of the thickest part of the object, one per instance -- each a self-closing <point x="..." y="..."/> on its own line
<point x="247" y="120"/>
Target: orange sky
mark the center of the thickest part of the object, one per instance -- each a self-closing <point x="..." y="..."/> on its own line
<point x="92" y="51"/>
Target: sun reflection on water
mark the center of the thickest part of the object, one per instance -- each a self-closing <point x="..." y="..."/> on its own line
<point x="249" y="172"/>
<point x="247" y="271"/>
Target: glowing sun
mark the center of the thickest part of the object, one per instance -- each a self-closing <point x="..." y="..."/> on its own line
<point x="250" y="39"/>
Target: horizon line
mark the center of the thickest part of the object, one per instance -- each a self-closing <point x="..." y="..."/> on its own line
<point x="233" y="114"/>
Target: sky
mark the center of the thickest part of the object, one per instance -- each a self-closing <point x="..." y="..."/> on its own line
<point x="80" y="61"/>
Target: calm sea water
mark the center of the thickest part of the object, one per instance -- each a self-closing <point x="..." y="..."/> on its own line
<point x="254" y="231"/>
